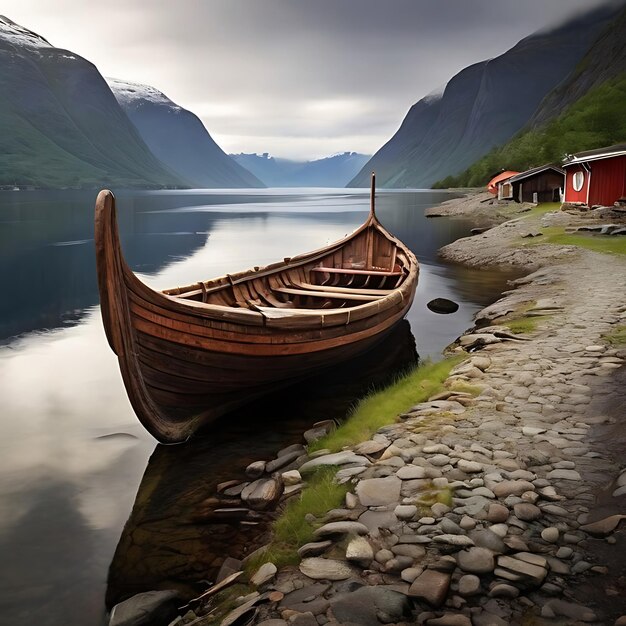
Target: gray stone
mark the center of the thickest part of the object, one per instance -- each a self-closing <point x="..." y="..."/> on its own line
<point x="439" y="460"/>
<point x="603" y="527"/>
<point x="341" y="528"/>
<point x="454" y="540"/>
<point x="486" y="538"/>
<point x="564" y="552"/>
<point x="476" y="560"/>
<point x="265" y="573"/>
<point x="438" y="509"/>
<point x="314" y="548"/>
<point x="410" y="574"/>
<point x="561" y="608"/>
<point x="360" y="551"/>
<point x="325" y="569"/>
<point x="497" y="513"/>
<point x="467" y="523"/>
<point x="469" y="585"/>
<point x="292" y="477"/>
<point x="550" y="534"/>
<point x="303" y="619"/>
<point x="371" y="447"/>
<point x="563" y="474"/>
<point x="338" y="458"/>
<point x="282" y="461"/>
<point x="469" y="467"/>
<point x="431" y="586"/>
<point x="263" y="493"/>
<point x="379" y="491"/>
<point x="416" y="552"/>
<point x="522" y="567"/>
<point x="363" y="605"/>
<point x="411" y="472"/>
<point x="526" y="511"/>
<point x="512" y="488"/>
<point x="504" y="590"/>
<point x="146" y="609"/>
<point x="405" y="511"/>
<point x="256" y="469"/>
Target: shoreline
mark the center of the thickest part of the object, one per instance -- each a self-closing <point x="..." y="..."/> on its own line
<point x="480" y="505"/>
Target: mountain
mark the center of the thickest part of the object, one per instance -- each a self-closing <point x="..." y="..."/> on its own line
<point x="585" y="111"/>
<point x="60" y="125"/>
<point x="178" y="138"/>
<point x="333" y="171"/>
<point x="482" y="106"/>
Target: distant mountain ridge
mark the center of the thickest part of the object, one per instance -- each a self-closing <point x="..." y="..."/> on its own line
<point x="333" y="171"/>
<point x="482" y="106"/>
<point x="60" y="125"/>
<point x="178" y="138"/>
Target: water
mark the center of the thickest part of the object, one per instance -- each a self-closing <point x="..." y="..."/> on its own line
<point x="72" y="453"/>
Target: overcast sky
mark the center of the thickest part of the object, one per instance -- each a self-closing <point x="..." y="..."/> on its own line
<point x="296" y="78"/>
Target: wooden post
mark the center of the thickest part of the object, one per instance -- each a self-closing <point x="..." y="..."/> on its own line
<point x="371" y="220"/>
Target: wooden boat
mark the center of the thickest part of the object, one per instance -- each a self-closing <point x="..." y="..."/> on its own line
<point x="189" y="355"/>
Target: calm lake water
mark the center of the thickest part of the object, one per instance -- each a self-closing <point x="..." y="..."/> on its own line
<point x="72" y="454"/>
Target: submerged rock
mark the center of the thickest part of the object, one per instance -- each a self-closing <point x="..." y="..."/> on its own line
<point x="154" y="608"/>
<point x="443" y="306"/>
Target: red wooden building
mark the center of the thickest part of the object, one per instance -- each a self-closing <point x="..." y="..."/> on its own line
<point x="596" y="177"/>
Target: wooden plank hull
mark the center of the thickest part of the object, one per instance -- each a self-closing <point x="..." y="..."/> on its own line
<point x="190" y="355"/>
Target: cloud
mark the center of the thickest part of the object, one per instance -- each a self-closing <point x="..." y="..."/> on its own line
<point x="338" y="71"/>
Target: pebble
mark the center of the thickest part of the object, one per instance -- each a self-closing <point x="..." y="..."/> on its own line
<point x="476" y="560"/>
<point x="527" y="512"/>
<point x="325" y="569"/>
<point x="430" y="586"/>
<point x="550" y="534"/>
<point x="497" y="513"/>
<point x="469" y="585"/>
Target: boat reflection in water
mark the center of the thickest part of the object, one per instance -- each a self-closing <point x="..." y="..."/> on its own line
<point x="172" y="538"/>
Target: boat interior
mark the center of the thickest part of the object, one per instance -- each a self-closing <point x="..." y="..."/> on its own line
<point x="363" y="268"/>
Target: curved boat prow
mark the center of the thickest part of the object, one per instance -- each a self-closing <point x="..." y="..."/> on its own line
<point x="109" y="264"/>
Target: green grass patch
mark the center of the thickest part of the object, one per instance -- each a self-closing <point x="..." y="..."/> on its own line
<point x="542" y="209"/>
<point x="523" y="325"/>
<point x="617" y="336"/>
<point x="382" y="408"/>
<point x="608" y="244"/>
<point x="291" y="530"/>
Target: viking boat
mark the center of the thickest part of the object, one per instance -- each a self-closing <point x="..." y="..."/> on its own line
<point x="191" y="354"/>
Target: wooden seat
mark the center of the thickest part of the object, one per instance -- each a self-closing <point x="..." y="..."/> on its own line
<point x="341" y="270"/>
<point x="327" y="294"/>
<point x="342" y="290"/>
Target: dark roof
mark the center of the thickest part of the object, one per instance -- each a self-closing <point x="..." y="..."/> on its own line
<point x="534" y="171"/>
<point x="618" y="149"/>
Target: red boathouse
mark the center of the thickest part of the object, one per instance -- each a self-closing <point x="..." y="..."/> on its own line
<point x="596" y="177"/>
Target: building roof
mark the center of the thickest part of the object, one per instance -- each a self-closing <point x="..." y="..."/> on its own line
<point x="492" y="185"/>
<point x="534" y="171"/>
<point x="619" y="149"/>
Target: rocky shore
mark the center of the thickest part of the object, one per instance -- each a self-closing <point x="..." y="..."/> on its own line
<point x="497" y="501"/>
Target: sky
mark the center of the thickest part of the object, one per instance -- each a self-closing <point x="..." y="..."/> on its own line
<point x="299" y="79"/>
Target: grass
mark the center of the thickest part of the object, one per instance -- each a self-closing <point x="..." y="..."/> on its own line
<point x="543" y="208"/>
<point x="617" y="336"/>
<point x="527" y="324"/>
<point x="381" y="408"/>
<point x="291" y="530"/>
<point x="608" y="244"/>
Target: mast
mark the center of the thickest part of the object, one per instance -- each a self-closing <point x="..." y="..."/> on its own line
<point x="373" y="198"/>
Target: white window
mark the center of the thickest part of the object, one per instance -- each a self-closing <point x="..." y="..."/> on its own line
<point x="579" y="180"/>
